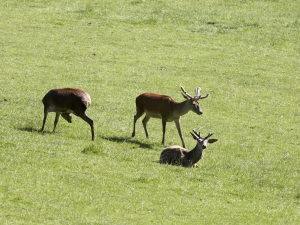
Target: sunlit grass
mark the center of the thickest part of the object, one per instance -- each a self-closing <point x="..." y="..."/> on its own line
<point x="244" y="53"/>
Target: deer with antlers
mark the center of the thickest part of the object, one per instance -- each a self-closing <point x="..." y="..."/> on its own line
<point x="166" y="109"/>
<point x="66" y="101"/>
<point x="177" y="155"/>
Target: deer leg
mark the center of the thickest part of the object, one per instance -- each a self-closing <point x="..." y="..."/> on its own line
<point x="90" y="122"/>
<point x="164" y="131"/>
<point x="45" y="118"/>
<point x="145" y="121"/>
<point x="56" y="121"/>
<point x="135" y="118"/>
<point x="177" y="122"/>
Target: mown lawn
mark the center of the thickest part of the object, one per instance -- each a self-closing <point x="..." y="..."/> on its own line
<point x="244" y="53"/>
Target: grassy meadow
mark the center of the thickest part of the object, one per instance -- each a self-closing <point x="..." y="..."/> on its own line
<point x="246" y="54"/>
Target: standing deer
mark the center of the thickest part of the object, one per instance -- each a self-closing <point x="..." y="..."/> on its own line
<point x="66" y="101"/>
<point x="165" y="108"/>
<point x="177" y="155"/>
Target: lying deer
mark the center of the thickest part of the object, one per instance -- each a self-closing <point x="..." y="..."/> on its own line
<point x="66" y="101"/>
<point x="177" y="155"/>
<point x="165" y="108"/>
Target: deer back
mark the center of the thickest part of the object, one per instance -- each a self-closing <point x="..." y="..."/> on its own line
<point x="172" y="155"/>
<point x="67" y="99"/>
<point x="155" y="103"/>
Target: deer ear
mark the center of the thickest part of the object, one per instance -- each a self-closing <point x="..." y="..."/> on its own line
<point x="212" y="140"/>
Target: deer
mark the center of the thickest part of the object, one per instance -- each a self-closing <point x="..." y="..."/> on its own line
<point x="66" y="101"/>
<point x="176" y="155"/>
<point x="165" y="108"/>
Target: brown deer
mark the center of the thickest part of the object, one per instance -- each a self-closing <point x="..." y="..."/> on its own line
<point x="66" y="101"/>
<point x="177" y="155"/>
<point x="166" y="109"/>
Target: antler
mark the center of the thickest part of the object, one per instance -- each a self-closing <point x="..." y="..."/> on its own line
<point x="196" y="135"/>
<point x="204" y="96"/>
<point x="208" y="136"/>
<point x="197" y="91"/>
<point x="198" y="96"/>
<point x="185" y="94"/>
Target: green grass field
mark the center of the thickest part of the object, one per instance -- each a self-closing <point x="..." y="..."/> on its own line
<point x="244" y="53"/>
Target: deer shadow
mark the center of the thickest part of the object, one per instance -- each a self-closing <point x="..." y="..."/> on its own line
<point x="127" y="140"/>
<point x="33" y="130"/>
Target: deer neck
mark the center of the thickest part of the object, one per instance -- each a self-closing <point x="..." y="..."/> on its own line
<point x="182" y="108"/>
<point x="195" y="154"/>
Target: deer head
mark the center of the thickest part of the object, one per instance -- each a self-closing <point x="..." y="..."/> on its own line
<point x="203" y="141"/>
<point x="194" y="100"/>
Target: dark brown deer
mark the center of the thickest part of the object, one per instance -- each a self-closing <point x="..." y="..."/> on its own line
<point x="177" y="155"/>
<point x="166" y="109"/>
<point x="66" y="101"/>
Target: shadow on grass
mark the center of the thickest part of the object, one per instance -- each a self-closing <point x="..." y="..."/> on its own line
<point x="127" y="140"/>
<point x="94" y="150"/>
<point x="33" y="130"/>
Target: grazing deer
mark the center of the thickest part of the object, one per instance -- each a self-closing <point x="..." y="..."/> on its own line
<point x="165" y="108"/>
<point x="66" y="101"/>
<point x="177" y="155"/>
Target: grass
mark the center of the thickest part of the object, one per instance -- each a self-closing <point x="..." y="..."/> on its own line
<point x="245" y="53"/>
